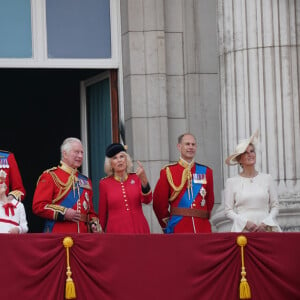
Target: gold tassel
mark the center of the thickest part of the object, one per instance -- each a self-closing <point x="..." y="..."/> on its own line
<point x="70" y="292"/>
<point x="245" y="292"/>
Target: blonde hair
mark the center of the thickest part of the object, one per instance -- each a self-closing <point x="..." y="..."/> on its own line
<point x="239" y="156"/>
<point x="107" y="164"/>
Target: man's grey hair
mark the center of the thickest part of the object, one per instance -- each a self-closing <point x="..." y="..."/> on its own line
<point x="184" y="134"/>
<point x="66" y="145"/>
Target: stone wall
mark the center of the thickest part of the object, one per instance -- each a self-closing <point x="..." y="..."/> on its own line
<point x="171" y="83"/>
<point x="259" y="78"/>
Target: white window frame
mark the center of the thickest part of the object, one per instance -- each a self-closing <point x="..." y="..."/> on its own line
<point x="39" y="44"/>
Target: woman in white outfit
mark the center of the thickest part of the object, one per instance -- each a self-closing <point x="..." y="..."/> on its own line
<point x="251" y="200"/>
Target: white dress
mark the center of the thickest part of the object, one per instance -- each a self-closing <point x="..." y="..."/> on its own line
<point x="251" y="199"/>
<point x="17" y="218"/>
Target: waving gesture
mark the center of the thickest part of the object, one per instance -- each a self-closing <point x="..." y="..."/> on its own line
<point x="140" y="172"/>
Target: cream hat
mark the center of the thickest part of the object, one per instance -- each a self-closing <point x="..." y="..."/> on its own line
<point x="241" y="148"/>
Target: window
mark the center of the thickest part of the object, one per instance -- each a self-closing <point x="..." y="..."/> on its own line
<point x="78" y="28"/>
<point x="15" y="29"/>
<point x="60" y="33"/>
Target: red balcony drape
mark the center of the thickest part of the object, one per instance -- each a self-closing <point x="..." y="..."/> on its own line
<point x="154" y="267"/>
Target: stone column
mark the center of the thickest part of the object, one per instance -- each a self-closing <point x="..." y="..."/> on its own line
<point x="170" y="82"/>
<point x="144" y="81"/>
<point x="259" y="78"/>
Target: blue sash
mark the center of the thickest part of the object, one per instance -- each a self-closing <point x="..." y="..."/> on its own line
<point x="185" y="202"/>
<point x="68" y="202"/>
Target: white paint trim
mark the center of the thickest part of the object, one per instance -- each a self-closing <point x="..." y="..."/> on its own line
<point x="38" y="23"/>
<point x="83" y="121"/>
<point x="60" y="63"/>
<point x="115" y="33"/>
<point x="120" y="69"/>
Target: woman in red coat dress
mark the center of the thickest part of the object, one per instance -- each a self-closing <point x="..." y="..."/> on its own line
<point x="122" y="193"/>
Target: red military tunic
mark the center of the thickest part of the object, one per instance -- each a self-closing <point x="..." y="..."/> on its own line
<point x="120" y="205"/>
<point x="13" y="179"/>
<point x="173" y="177"/>
<point x="61" y="188"/>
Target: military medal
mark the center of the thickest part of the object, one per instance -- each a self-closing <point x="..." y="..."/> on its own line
<point x="84" y="184"/>
<point x="203" y="194"/>
<point x="4" y="163"/>
<point x="86" y="195"/>
<point x="199" y="178"/>
<point x="2" y="176"/>
<point x="84" y="204"/>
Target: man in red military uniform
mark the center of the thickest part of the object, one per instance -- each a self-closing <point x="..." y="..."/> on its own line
<point x="63" y="196"/>
<point x="184" y="194"/>
<point x="13" y="180"/>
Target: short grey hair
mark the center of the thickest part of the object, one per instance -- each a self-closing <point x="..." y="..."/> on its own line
<point x="179" y="140"/>
<point x="107" y="164"/>
<point x="66" y="145"/>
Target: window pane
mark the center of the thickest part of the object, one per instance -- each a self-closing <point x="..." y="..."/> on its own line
<point x="78" y="28"/>
<point x="15" y="29"/>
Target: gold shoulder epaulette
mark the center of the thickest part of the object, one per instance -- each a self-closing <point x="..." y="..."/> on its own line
<point x="177" y="189"/>
<point x="46" y="171"/>
<point x="16" y="194"/>
<point x="49" y="170"/>
<point x="170" y="164"/>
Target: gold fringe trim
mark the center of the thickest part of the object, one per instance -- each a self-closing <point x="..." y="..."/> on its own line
<point x="70" y="292"/>
<point x="63" y="187"/>
<point x="186" y="176"/>
<point x="245" y="292"/>
<point x="16" y="194"/>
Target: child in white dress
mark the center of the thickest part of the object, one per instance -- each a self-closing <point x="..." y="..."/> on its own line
<point x="12" y="212"/>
